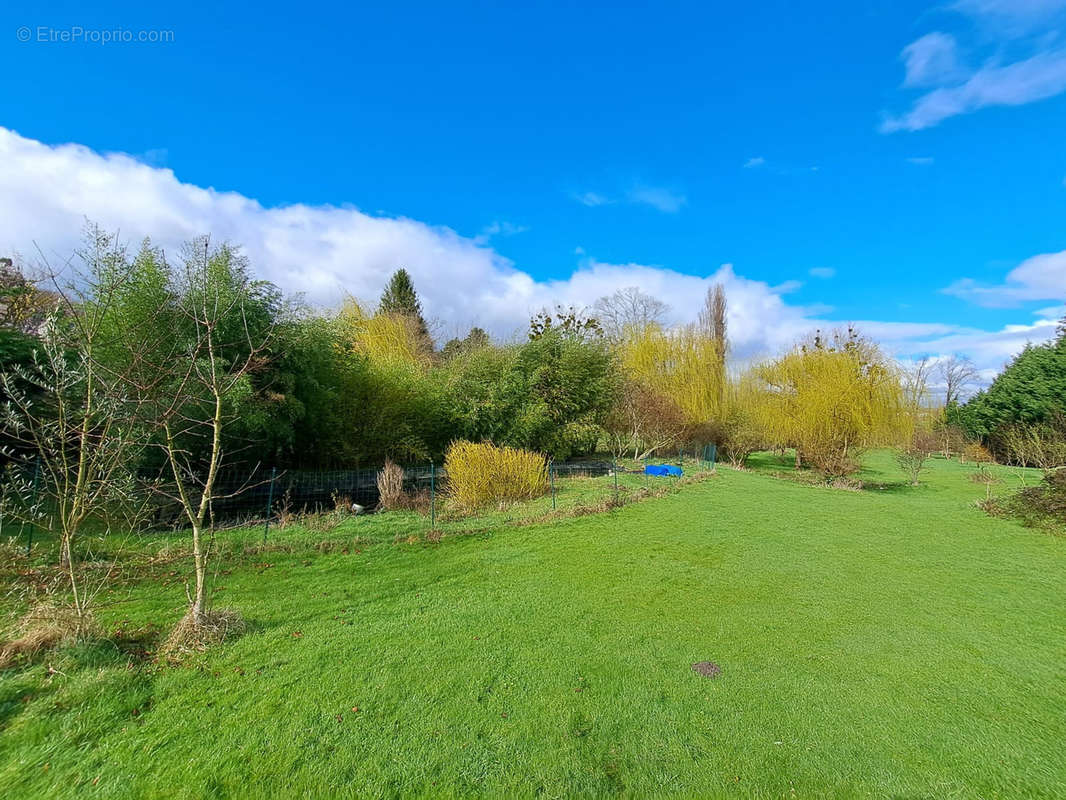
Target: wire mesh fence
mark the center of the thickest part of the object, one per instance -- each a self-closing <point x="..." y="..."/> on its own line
<point x="343" y="508"/>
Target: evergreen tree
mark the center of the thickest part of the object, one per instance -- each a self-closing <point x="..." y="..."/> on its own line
<point x="1030" y="391"/>
<point x="401" y="298"/>
<point x="477" y="338"/>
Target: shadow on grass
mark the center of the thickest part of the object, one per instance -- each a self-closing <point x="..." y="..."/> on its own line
<point x="18" y="692"/>
<point x="892" y="487"/>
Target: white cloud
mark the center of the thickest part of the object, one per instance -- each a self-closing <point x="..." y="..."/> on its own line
<point x="1041" y="277"/>
<point x="822" y="272"/>
<point x="989" y="350"/>
<point x="499" y="229"/>
<point x="931" y="60"/>
<point x="666" y="200"/>
<point x="1035" y="69"/>
<point x="921" y="161"/>
<point x="1036" y="78"/>
<point x="46" y="192"/>
<point x="592" y="199"/>
<point x="1013" y="17"/>
<point x="755" y="161"/>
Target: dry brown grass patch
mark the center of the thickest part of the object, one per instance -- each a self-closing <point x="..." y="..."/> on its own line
<point x="390" y="487"/>
<point x="45" y="627"/>
<point x="190" y="636"/>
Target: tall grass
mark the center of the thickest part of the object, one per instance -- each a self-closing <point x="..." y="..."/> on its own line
<point x="482" y="474"/>
<point x="390" y="487"/>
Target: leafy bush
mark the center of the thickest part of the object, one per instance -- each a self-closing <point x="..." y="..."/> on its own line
<point x="978" y="453"/>
<point x="482" y="474"/>
<point x="952" y="439"/>
<point x="740" y="438"/>
<point x="1041" y="504"/>
<point x="1039" y="445"/>
<point x="551" y="394"/>
<point x="912" y="456"/>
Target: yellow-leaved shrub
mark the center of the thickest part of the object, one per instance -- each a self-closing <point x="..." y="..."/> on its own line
<point x="388" y="340"/>
<point x="481" y="474"/>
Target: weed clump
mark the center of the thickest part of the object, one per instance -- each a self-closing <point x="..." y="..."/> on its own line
<point x="191" y="635"/>
<point x="390" y="487"/>
<point x="1041" y="505"/>
<point x="45" y="626"/>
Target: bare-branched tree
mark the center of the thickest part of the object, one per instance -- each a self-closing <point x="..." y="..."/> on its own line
<point x="958" y="373"/>
<point x="74" y="429"/>
<point x="916" y="383"/>
<point x="628" y="307"/>
<point x="645" y="421"/>
<point x="218" y="350"/>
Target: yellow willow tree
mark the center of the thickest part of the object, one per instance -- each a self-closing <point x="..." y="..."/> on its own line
<point x="386" y="339"/>
<point x="747" y="418"/>
<point x="833" y="397"/>
<point x="394" y="356"/>
<point x="684" y="368"/>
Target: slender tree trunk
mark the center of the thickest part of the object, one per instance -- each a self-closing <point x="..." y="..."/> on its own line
<point x="68" y="565"/>
<point x="196" y="610"/>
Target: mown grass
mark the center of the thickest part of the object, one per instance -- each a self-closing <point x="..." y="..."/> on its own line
<point x="885" y="642"/>
<point x="570" y="495"/>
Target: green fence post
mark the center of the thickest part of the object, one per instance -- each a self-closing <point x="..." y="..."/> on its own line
<point x="270" y="503"/>
<point x="614" y="469"/>
<point x="551" y="480"/>
<point x="33" y="502"/>
<point x="432" y="496"/>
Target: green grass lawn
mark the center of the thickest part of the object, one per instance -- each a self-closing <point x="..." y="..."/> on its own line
<point x="894" y="641"/>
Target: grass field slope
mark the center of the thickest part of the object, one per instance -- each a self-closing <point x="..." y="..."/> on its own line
<point x="889" y="642"/>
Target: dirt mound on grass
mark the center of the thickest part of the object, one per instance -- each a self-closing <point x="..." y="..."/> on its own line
<point x="708" y="669"/>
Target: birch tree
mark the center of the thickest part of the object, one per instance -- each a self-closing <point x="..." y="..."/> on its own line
<point x="221" y="336"/>
<point x="75" y="431"/>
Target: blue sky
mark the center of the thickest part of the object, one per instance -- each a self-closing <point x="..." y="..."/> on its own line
<point x="851" y="161"/>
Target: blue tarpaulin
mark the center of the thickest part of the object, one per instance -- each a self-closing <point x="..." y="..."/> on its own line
<point x="662" y="469"/>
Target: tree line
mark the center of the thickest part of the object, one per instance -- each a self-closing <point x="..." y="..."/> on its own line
<point x="134" y="378"/>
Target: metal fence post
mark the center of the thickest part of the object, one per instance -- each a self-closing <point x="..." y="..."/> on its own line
<point x="33" y="502"/>
<point x="432" y="496"/>
<point x="551" y="479"/>
<point x="614" y="469"/>
<point x="270" y="503"/>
